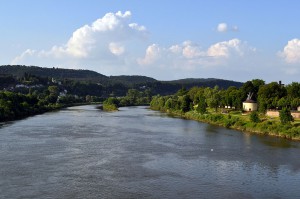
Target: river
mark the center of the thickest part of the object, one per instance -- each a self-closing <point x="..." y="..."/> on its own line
<point x="82" y="152"/>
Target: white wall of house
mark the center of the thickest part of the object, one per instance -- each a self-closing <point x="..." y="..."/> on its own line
<point x="249" y="106"/>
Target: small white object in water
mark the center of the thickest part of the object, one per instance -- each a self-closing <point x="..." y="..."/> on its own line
<point x="211" y="149"/>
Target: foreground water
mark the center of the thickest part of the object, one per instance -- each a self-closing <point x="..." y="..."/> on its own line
<point x="81" y="152"/>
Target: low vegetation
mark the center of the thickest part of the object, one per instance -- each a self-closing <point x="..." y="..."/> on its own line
<point x="132" y="98"/>
<point x="208" y="105"/>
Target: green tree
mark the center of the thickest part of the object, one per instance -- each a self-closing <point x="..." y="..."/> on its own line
<point x="201" y="105"/>
<point x="269" y="94"/>
<point x="182" y="91"/>
<point x="254" y="117"/>
<point x="132" y="96"/>
<point x="185" y="103"/>
<point x="285" y="116"/>
<point x="169" y="104"/>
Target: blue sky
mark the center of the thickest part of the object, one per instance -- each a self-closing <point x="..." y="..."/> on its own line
<point x="237" y="40"/>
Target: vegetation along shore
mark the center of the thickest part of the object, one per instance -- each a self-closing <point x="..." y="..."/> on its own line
<point x="225" y="107"/>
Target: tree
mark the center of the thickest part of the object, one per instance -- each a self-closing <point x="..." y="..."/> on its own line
<point x="169" y="104"/>
<point x="185" y="103"/>
<point x="285" y="116"/>
<point x="53" y="90"/>
<point x="201" y="105"/>
<point x="282" y="102"/>
<point x="293" y="90"/>
<point x="269" y="94"/>
<point x="247" y="88"/>
<point x="182" y="91"/>
<point x="254" y="117"/>
<point x="132" y="96"/>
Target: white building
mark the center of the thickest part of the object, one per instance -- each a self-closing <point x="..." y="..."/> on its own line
<point x="249" y="105"/>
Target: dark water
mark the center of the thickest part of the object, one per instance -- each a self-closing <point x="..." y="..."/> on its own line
<point x="82" y="152"/>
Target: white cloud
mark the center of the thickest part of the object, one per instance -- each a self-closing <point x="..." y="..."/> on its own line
<point x="291" y="52"/>
<point x="116" y="48"/>
<point x="26" y="53"/>
<point x="153" y="53"/>
<point x="224" y="27"/>
<point x="191" y="55"/>
<point x="226" y="48"/>
<point x="106" y="35"/>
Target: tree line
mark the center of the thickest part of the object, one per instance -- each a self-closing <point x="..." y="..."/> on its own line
<point x="268" y="96"/>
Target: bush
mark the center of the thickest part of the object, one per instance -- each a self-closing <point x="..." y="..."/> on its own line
<point x="285" y="116"/>
<point x="254" y="117"/>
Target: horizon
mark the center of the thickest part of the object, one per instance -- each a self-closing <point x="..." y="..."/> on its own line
<point x="168" y="40"/>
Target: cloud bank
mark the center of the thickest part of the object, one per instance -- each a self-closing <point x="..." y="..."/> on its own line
<point x="189" y="55"/>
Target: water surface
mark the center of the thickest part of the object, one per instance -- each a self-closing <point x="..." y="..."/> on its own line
<point x="82" y="152"/>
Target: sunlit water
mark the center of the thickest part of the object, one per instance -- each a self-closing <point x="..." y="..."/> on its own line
<point x="82" y="152"/>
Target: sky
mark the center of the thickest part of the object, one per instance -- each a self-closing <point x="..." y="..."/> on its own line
<point x="170" y="39"/>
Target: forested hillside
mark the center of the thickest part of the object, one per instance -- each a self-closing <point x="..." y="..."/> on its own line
<point x="118" y="85"/>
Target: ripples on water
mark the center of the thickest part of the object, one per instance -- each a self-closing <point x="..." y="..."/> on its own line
<point x="82" y="152"/>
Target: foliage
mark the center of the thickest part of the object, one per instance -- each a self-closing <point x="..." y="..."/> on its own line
<point x="201" y="108"/>
<point x="285" y="116"/>
<point x="110" y="104"/>
<point x="208" y="101"/>
<point x="86" y="82"/>
<point x="254" y="117"/>
<point x="16" y="105"/>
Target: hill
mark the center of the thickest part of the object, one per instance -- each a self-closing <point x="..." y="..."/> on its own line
<point x="59" y="73"/>
<point x="117" y="84"/>
<point x="131" y="79"/>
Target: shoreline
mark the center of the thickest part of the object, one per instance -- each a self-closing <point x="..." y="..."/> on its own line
<point x="50" y="109"/>
<point x="240" y="125"/>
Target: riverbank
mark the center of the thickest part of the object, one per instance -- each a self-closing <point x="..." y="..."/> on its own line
<point x="41" y="110"/>
<point x="267" y="126"/>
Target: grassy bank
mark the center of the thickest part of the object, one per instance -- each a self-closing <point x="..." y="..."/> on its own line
<point x="267" y="126"/>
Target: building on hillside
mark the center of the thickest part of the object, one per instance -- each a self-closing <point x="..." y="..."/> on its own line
<point x="249" y="104"/>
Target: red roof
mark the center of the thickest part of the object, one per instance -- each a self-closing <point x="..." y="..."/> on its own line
<point x="249" y="101"/>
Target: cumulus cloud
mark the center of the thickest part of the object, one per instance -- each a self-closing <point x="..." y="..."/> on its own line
<point x="153" y="53"/>
<point x="226" y="48"/>
<point x="189" y="53"/>
<point x="291" y="52"/>
<point x="224" y="27"/>
<point x="106" y="35"/>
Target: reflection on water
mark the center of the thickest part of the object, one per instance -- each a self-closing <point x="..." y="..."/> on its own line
<point x="280" y="143"/>
<point x="82" y="152"/>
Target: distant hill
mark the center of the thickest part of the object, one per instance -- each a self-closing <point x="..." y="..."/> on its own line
<point x="132" y="79"/>
<point x="60" y="73"/>
<point x="122" y="82"/>
<point x="206" y="82"/>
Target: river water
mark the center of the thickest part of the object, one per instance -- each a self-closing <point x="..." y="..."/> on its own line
<point x="82" y="152"/>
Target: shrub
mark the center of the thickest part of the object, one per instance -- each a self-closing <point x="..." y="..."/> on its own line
<point x="254" y="117"/>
